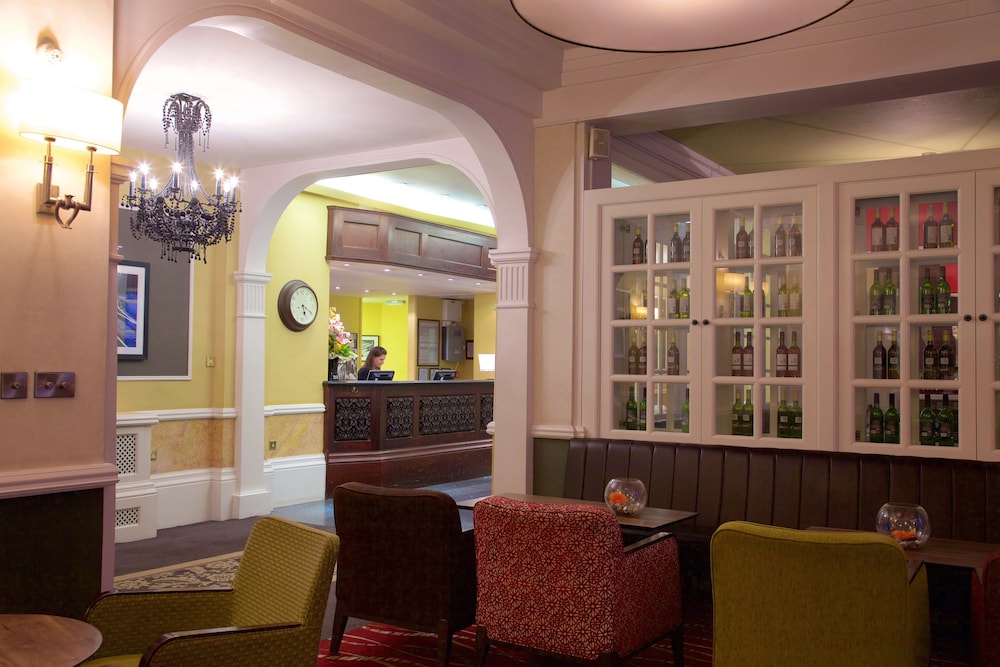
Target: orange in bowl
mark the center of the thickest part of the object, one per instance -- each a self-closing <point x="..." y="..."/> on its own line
<point x="903" y="535"/>
<point x="618" y="498"/>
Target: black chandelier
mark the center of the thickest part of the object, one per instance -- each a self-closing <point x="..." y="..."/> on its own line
<point x="182" y="217"/>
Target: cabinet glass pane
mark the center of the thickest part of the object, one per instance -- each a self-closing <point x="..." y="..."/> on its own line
<point x="931" y="424"/>
<point x="670" y="408"/>
<point x="933" y="287"/>
<point x="671" y="347"/>
<point x="627" y="396"/>
<point x="877" y="288"/>
<point x="671" y="295"/>
<point x="734" y="416"/>
<point x="878" y="415"/>
<point x="781" y="351"/>
<point x="876" y="226"/>
<point x="782" y="290"/>
<point x="881" y="355"/>
<point x="737" y="291"/>
<point x="630" y="296"/>
<point x="630" y="351"/>
<point x="631" y="235"/>
<point x="935" y="353"/>
<point x="736" y="351"/>
<point x="671" y="239"/>
<point x="734" y="233"/>
<point x="933" y="221"/>
<point x="996" y="355"/>
<point x="782" y="415"/>
<point x="781" y="231"/>
<point x="996" y="285"/>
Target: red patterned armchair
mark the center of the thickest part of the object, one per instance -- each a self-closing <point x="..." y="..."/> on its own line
<point x="557" y="580"/>
<point x="986" y="614"/>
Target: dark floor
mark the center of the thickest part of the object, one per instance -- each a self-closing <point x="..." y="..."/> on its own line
<point x="215" y="538"/>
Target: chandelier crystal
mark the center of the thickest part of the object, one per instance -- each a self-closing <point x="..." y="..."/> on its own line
<point x="182" y="217"/>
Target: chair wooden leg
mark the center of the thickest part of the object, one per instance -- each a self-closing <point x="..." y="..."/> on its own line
<point x="339" y="627"/>
<point x="482" y="646"/>
<point x="443" y="642"/>
<point x="677" y="645"/>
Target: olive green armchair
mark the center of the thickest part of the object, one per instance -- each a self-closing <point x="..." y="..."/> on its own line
<point x="272" y="615"/>
<point x="796" y="597"/>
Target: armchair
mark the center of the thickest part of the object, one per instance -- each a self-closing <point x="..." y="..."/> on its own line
<point x="985" y="614"/>
<point x="793" y="597"/>
<point x="272" y="615"/>
<point x="404" y="561"/>
<point x="556" y="579"/>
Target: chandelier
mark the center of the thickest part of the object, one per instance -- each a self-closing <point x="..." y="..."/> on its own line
<point x="182" y="217"/>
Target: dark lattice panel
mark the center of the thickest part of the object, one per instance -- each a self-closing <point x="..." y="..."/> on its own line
<point x="127" y="517"/>
<point x="125" y="453"/>
<point x="399" y="417"/>
<point x="447" y="414"/>
<point x="354" y="419"/>
<point x="485" y="411"/>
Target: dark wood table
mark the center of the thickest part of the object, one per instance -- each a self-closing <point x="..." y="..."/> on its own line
<point x="40" y="640"/>
<point x="651" y="519"/>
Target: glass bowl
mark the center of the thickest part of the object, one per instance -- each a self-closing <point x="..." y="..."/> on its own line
<point x="626" y="496"/>
<point x="907" y="523"/>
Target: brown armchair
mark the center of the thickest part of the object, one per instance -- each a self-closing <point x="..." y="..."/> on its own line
<point x="557" y="580"/>
<point x="404" y="560"/>
<point x="272" y="615"/>
<point x="986" y="613"/>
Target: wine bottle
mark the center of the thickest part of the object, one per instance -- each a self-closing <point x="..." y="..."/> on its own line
<point x="686" y="411"/>
<point x="737" y="414"/>
<point x="928" y="294"/>
<point x="784" y="421"/>
<point x="686" y="245"/>
<point x="875" y="296"/>
<point x="638" y="247"/>
<point x="781" y="357"/>
<point x="893" y="357"/>
<point x="737" y="363"/>
<point x="927" y="421"/>
<point x="780" y="239"/>
<point x="684" y="301"/>
<point x="631" y="411"/>
<point x="880" y="359"/>
<point x="750" y="243"/>
<point x="633" y="356"/>
<point x="876" y="422"/>
<point x="888" y="294"/>
<point x="945" y="424"/>
<point x="795" y="238"/>
<point x="945" y="359"/>
<point x="642" y="356"/>
<point x="942" y="294"/>
<point x="794" y="358"/>
<point x="675" y="249"/>
<point x="673" y="357"/>
<point x="642" y="412"/>
<point x="748" y="356"/>
<point x="930" y="369"/>
<point x="930" y="229"/>
<point x="782" y="299"/>
<point x="746" y="413"/>
<point x="742" y="241"/>
<point x="796" y="417"/>
<point x="892" y="231"/>
<point x="877" y="233"/>
<point x="891" y="418"/>
<point x="795" y="298"/>
<point x="946" y="229"/>
<point x="672" y="301"/>
<point x="746" y="299"/>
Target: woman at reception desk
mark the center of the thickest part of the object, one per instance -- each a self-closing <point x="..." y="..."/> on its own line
<point x="408" y="433"/>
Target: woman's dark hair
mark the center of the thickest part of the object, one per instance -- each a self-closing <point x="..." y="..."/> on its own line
<point x="376" y="351"/>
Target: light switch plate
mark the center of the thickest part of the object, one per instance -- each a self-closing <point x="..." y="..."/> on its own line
<point x="14" y="385"/>
<point x="55" y="385"/>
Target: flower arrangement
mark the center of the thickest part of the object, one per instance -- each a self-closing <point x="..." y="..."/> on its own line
<point x="340" y="340"/>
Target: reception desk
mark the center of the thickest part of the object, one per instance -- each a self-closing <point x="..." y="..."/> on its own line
<point x="407" y="434"/>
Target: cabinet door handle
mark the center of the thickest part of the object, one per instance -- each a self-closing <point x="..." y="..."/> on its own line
<point x="705" y="322"/>
<point x="695" y="322"/>
<point x="967" y="317"/>
<point x="983" y="317"/>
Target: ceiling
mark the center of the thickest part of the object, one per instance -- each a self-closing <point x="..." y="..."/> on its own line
<point x="258" y="93"/>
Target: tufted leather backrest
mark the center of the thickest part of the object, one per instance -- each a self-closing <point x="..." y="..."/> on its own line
<point x="792" y="488"/>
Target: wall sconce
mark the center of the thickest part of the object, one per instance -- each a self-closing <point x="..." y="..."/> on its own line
<point x="733" y="284"/>
<point x="72" y="118"/>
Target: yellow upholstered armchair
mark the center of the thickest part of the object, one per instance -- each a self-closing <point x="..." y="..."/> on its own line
<point x="797" y="597"/>
<point x="272" y="615"/>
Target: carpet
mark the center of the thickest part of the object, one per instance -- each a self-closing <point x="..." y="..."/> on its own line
<point x="205" y="573"/>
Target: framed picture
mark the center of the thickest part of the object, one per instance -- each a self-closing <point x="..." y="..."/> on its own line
<point x="469" y="350"/>
<point x="133" y="310"/>
<point x="423" y="374"/>
<point x="428" y="342"/>
<point x="367" y="343"/>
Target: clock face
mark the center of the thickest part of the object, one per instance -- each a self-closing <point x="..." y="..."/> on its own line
<point x="304" y="305"/>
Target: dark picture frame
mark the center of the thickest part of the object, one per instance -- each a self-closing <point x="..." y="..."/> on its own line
<point x="469" y="349"/>
<point x="428" y="342"/>
<point x="132" y="320"/>
<point x="367" y="343"/>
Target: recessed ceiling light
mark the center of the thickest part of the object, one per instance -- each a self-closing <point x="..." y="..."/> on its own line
<point x="450" y="279"/>
<point x="393" y="293"/>
<point x="367" y="291"/>
<point x="387" y="270"/>
<point x="346" y="264"/>
<point x="420" y="275"/>
<point x="478" y="283"/>
<point x="337" y="287"/>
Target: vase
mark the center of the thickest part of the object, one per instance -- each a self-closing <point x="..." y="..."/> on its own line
<point x="331" y="369"/>
<point x="346" y="369"/>
<point x="626" y="496"/>
<point x="907" y="523"/>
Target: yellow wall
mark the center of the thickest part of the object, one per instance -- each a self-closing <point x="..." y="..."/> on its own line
<point x="485" y="316"/>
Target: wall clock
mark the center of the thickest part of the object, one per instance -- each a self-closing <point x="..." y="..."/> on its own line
<point x="297" y="305"/>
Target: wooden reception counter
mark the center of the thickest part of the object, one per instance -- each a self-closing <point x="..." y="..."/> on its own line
<point x="407" y="434"/>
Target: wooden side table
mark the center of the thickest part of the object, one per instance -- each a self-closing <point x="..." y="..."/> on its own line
<point x="40" y="640"/>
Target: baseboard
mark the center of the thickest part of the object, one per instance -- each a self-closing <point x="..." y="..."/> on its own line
<point x="297" y="479"/>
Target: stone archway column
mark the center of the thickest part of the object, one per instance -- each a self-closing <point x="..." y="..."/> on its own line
<point x="513" y="469"/>
<point x="251" y="497"/>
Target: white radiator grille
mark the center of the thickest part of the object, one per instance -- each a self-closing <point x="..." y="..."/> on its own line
<point x="127" y="517"/>
<point x="125" y="448"/>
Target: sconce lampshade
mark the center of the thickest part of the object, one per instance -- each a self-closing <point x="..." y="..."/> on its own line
<point x="487" y="363"/>
<point x="76" y="118"/>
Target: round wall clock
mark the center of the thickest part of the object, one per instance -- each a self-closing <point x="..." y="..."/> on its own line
<point x="297" y="305"/>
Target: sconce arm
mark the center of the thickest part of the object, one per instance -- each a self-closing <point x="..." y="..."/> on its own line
<point x="52" y="205"/>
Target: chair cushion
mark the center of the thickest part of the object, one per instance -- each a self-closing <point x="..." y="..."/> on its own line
<point x="114" y="661"/>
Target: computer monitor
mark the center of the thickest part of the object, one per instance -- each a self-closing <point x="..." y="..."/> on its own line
<point x="380" y="375"/>
<point x="443" y="374"/>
